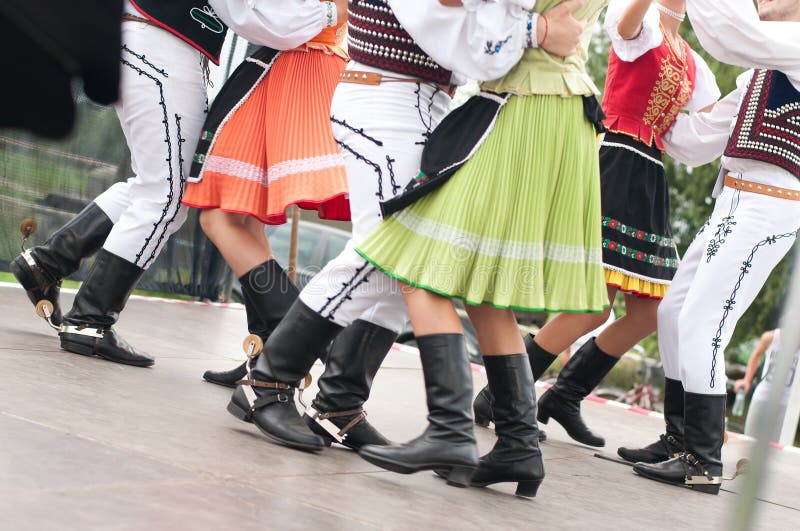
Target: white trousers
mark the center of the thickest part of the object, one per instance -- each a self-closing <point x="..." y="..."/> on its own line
<point x="161" y="109"/>
<point x="381" y="131"/>
<point x="722" y="272"/>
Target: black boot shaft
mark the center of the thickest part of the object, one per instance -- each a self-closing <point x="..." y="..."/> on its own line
<point x="584" y="371"/>
<point x="516" y="456"/>
<point x="673" y="408"/>
<point x="294" y="345"/>
<point x="704" y="429"/>
<point x="514" y="408"/>
<point x="81" y="237"/>
<point x="268" y="294"/>
<point x="104" y="293"/>
<point x="448" y="382"/>
<point x="539" y="358"/>
<point x="448" y="443"/>
<point x="97" y="305"/>
<point x="353" y="361"/>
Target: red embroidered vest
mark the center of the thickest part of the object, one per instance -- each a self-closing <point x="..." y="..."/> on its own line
<point x="642" y="98"/>
<point x="376" y="38"/>
<point x="768" y="126"/>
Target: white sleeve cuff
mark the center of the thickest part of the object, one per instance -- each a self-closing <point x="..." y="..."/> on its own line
<point x="631" y="49"/>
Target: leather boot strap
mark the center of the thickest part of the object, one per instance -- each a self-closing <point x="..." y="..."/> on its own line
<point x="264" y="385"/>
<point x="323" y="419"/>
<point x="41" y="277"/>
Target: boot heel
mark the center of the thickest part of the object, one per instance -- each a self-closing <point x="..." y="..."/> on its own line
<point x="77" y="348"/>
<point x="542" y="418"/>
<point x="238" y="412"/>
<point x="528" y="489"/>
<point x="482" y="421"/>
<point x="708" y="489"/>
<point x="460" y="476"/>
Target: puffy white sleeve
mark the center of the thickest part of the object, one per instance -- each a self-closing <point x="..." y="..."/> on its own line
<point x="706" y="90"/>
<point x="631" y="49"/>
<point x="732" y="32"/>
<point x="279" y="24"/>
<point x="699" y="138"/>
<point x="481" y="40"/>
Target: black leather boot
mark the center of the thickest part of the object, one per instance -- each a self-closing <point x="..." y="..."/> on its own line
<point x="516" y="456"/>
<point x="266" y="398"/>
<point x="448" y="443"/>
<point x="700" y="465"/>
<point x="41" y="268"/>
<point x="268" y="294"/>
<point x="87" y="328"/>
<point x="337" y="412"/>
<point x="670" y="444"/>
<point x="540" y="361"/>
<point x="584" y="370"/>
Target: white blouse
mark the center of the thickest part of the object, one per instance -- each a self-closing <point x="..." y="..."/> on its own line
<point x="699" y="138"/>
<point x="481" y="40"/>
<point x="278" y="24"/>
<point x="705" y="91"/>
<point x="732" y="33"/>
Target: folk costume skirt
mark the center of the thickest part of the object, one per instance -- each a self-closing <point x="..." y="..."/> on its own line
<point x="277" y="148"/>
<point x="639" y="253"/>
<point x="516" y="226"/>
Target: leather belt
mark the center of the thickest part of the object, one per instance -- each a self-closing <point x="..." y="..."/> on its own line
<point x="374" y="78"/>
<point x="760" y="188"/>
<point x="134" y="18"/>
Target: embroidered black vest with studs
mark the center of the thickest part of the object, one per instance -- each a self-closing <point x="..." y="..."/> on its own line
<point x="768" y="127"/>
<point x="376" y="38"/>
<point x="194" y="21"/>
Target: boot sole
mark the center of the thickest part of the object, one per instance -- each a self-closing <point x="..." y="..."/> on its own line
<point x="456" y="476"/>
<point x="525" y="489"/>
<point x="706" y="489"/>
<point x="86" y="350"/>
<point x="243" y="415"/>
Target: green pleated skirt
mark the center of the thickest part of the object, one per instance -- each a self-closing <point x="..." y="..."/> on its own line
<point x="517" y="226"/>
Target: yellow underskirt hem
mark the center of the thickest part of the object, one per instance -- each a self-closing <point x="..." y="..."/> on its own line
<point x="636" y="286"/>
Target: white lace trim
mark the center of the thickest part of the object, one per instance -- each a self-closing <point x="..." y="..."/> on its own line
<point x="251" y="172"/>
<point x="236" y="168"/>
<point x="291" y="167"/>
<point x="474" y="243"/>
<point x="632" y="150"/>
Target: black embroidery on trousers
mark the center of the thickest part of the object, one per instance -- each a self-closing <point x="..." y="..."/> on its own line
<point x="145" y="61"/>
<point x="349" y="295"/>
<point x="357" y="131"/>
<point x="345" y="287"/>
<point x="395" y="187"/>
<point x="724" y="229"/>
<point x="702" y="229"/>
<point x="168" y="141"/>
<point x="181" y="190"/>
<point x="716" y="343"/>
<point x="365" y="160"/>
<point x="427" y="124"/>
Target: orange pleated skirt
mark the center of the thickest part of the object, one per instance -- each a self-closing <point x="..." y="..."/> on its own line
<point x="277" y="149"/>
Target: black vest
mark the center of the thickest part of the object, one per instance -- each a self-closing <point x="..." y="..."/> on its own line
<point x="768" y="126"/>
<point x="194" y="21"/>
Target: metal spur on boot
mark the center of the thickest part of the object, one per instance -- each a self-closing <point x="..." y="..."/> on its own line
<point x="331" y="430"/>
